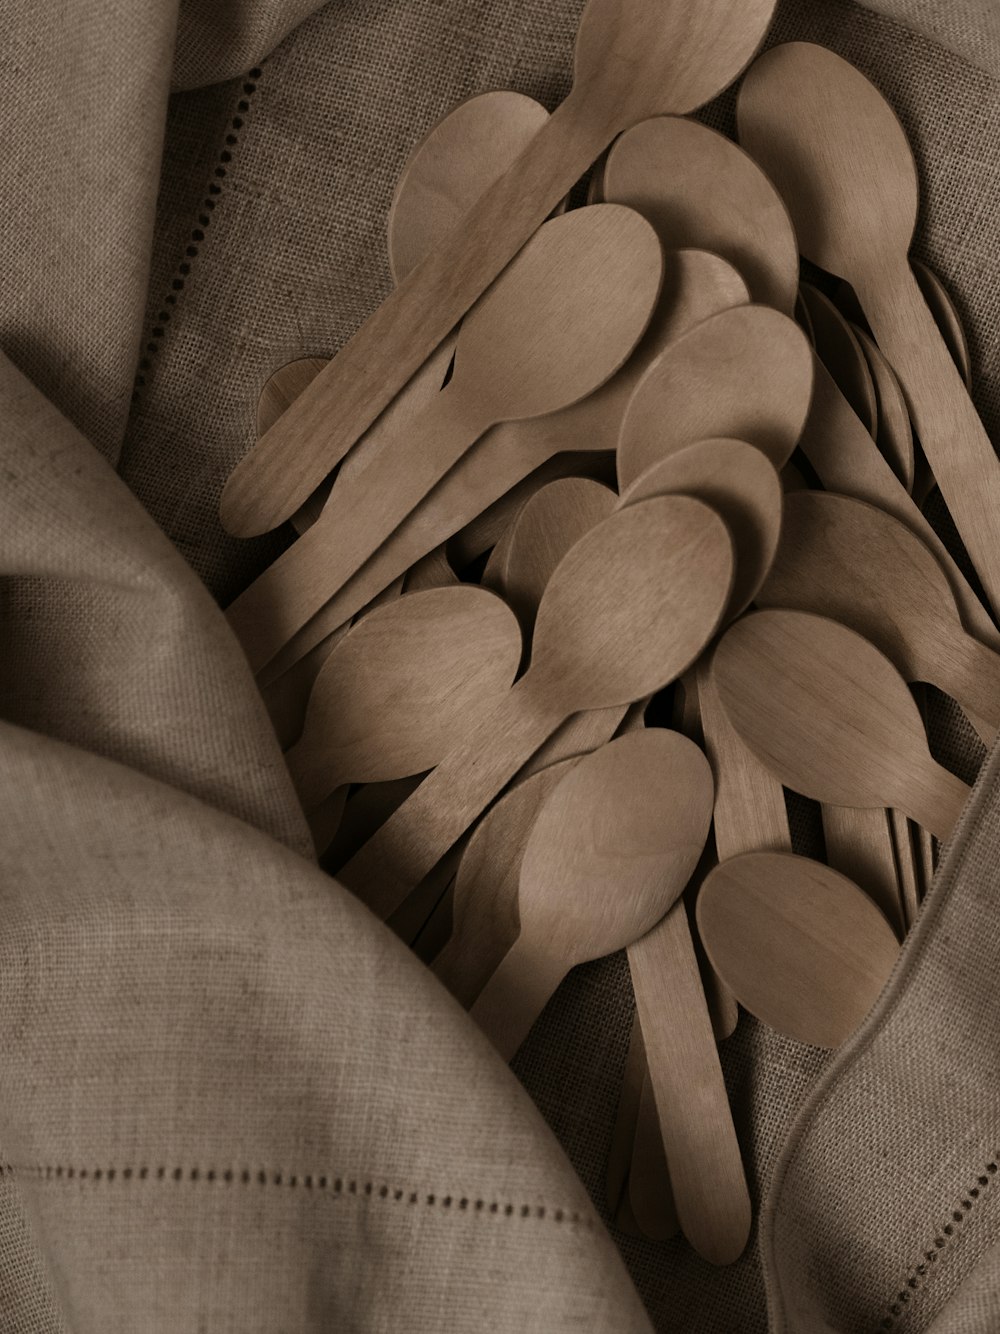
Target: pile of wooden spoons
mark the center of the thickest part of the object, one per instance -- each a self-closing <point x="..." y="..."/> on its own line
<point x="582" y="457"/>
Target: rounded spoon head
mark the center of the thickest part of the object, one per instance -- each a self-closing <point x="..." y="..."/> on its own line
<point x="744" y="374"/>
<point x="825" y="711"/>
<point x="631" y="605"/>
<point x="836" y="152"/>
<point x="553" y="520"/>
<point x="741" y="485"/>
<point x="637" y="58"/>
<point x="850" y="561"/>
<point x="615" y="844"/>
<point x="451" y="167"/>
<point x="532" y="343"/>
<point x="700" y="189"/>
<point x="799" y="945"/>
<point x="400" y="688"/>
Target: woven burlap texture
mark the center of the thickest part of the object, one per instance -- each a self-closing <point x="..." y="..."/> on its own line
<point x="182" y="993"/>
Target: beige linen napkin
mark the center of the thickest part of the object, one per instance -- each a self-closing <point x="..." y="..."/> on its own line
<point x="229" y="1099"/>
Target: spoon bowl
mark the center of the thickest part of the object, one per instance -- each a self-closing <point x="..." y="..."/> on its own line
<point x="831" y="717"/>
<point x="799" y="945"/>
<point x="744" y="374"/>
<point x="399" y="686"/>
<point x="737" y="482"/>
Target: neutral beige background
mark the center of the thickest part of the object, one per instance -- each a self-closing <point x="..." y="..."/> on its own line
<point x="179" y="988"/>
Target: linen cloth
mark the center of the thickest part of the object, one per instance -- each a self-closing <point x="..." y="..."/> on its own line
<point x="229" y="1098"/>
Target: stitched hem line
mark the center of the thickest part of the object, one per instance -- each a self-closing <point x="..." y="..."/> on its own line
<point x="197" y="235"/>
<point x="917" y="1277"/>
<point x="310" y="1181"/>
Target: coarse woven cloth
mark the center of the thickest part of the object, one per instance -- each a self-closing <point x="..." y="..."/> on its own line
<point x="230" y="1100"/>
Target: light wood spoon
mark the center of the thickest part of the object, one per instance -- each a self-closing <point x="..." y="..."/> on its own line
<point x="740" y="484"/>
<point x="400" y="685"/>
<point x="831" y="717"/>
<point x="700" y="189"/>
<point x="850" y="561"/>
<point x="894" y="433"/>
<point x="838" y="155"/>
<point x="611" y="850"/>
<point x="841" y="353"/>
<point x="626" y="611"/>
<point x="744" y="374"/>
<point x="531" y="346"/>
<point x="715" y="195"/>
<point x="696" y="285"/>
<point x="633" y="58"/>
<point x="800" y="945"/>
<point x="485" y="913"/>
<point x="551" y="522"/>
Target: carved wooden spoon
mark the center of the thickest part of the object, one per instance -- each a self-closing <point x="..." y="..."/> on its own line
<point x="610" y="851"/>
<point x="745" y="374"/>
<point x="696" y="285"/>
<point x="854" y="563"/>
<point x="400" y="685"/>
<point x="626" y="611"/>
<point x="800" y="946"/>
<point x="633" y="58"/>
<point x="531" y="346"/>
<point x="831" y="717"/>
<point x="836" y="151"/>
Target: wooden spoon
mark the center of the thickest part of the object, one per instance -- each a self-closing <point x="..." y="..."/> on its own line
<point x="610" y="851"/>
<point x="836" y="151"/>
<point x="855" y="563"/>
<point x="626" y="611"/>
<point x="463" y="154"/>
<point x="633" y="59"/>
<point x="700" y="189"/>
<point x="745" y="374"/>
<point x="946" y="316"/>
<point x="841" y="353"/>
<point x="485" y="913"/>
<point x="831" y="717"/>
<point x="894" y="433"/>
<point x="650" y="1194"/>
<point x="551" y="522"/>
<point x="515" y="358"/>
<point x="696" y="285"/>
<point x="800" y="945"/>
<point x="740" y="484"/>
<point x="398" y="687"/>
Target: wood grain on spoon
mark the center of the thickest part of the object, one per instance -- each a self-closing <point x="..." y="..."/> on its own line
<point x="633" y="58"/>
<point x="740" y="484"/>
<point x="515" y="358"/>
<point x="744" y="374"/>
<point x="836" y="151"/>
<point x="626" y="611"/>
<point x="485" y="922"/>
<point x="398" y="687"/>
<point x="831" y="717"/>
<point x="801" y="946"/>
<point x="855" y="563"/>
<point x="609" y="853"/>
<point x="894" y="433"/>
<point x="696" y="285"/>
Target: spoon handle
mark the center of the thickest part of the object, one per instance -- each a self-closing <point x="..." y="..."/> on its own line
<point x="954" y="439"/>
<point x="847" y="460"/>
<point x="699" y="1139"/>
<point x="970" y="672"/>
<point x="305" y="443"/>
<point x="626" y="1116"/>
<point x="362" y="511"/>
<point x="417" y="835"/>
<point x="859" y="844"/>
<point x="468" y="961"/>
<point x="936" y="801"/>
<point x="516" y="995"/>
<point x="649" y="1190"/>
